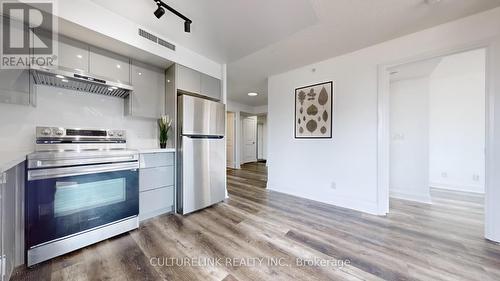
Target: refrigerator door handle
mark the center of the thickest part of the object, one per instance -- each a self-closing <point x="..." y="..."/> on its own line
<point x="203" y="137"/>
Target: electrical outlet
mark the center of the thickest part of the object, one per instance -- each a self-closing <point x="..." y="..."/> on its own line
<point x="333" y="185"/>
<point x="444" y="174"/>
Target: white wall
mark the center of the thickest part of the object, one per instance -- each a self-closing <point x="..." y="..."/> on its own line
<point x="262" y="119"/>
<point x="343" y="170"/>
<point x="409" y="122"/>
<point x="66" y="108"/>
<point x="457" y="130"/>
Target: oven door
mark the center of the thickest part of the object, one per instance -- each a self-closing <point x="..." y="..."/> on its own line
<point x="65" y="201"/>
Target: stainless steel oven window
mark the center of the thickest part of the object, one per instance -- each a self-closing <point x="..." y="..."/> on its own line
<point x="73" y="197"/>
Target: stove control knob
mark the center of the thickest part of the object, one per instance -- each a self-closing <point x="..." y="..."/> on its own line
<point x="111" y="134"/>
<point x="120" y="134"/>
<point x="59" y="132"/>
<point x="46" y="132"/>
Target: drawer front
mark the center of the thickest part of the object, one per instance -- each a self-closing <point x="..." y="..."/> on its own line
<point x="152" y="160"/>
<point x="155" y="202"/>
<point x="152" y="178"/>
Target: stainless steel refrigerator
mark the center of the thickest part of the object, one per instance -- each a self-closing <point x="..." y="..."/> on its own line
<point x="201" y="178"/>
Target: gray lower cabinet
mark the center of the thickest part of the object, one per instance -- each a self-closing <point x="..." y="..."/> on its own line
<point x="109" y="65"/>
<point x="148" y="98"/>
<point x="156" y="184"/>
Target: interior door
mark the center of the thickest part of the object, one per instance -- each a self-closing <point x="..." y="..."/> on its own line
<point x="230" y="140"/>
<point x="250" y="139"/>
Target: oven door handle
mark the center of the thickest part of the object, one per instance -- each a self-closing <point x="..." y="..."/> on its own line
<point x="80" y="170"/>
<point x="48" y="163"/>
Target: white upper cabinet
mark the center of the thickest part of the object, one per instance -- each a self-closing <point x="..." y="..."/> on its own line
<point x="192" y="81"/>
<point x="73" y="54"/>
<point x="15" y="87"/>
<point x="109" y="65"/>
<point x="211" y="87"/>
<point x="148" y="98"/>
<point x="15" y="84"/>
<point x="188" y="80"/>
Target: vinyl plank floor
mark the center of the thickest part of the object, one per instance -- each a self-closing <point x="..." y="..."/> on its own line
<point x="439" y="241"/>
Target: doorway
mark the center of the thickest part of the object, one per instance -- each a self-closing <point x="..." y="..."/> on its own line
<point x="262" y="138"/>
<point x="434" y="129"/>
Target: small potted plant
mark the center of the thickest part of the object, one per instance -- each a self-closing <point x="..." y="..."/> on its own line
<point x="164" y="124"/>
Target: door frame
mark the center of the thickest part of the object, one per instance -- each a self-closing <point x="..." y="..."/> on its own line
<point x="259" y="142"/>
<point x="234" y="138"/>
<point x="383" y="137"/>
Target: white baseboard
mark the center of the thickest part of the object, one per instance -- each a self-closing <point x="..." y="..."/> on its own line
<point x="463" y="188"/>
<point x="343" y="202"/>
<point x="405" y="195"/>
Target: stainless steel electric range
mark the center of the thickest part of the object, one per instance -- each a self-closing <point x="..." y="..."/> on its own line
<point x="82" y="188"/>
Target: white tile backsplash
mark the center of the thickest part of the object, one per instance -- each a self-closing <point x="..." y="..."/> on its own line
<point x="67" y="108"/>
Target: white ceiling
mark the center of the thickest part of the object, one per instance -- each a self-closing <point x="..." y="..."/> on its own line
<point x="223" y="30"/>
<point x="259" y="38"/>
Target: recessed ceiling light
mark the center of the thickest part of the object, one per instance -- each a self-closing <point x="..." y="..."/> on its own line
<point x="79" y="56"/>
<point x="253" y="94"/>
<point x="118" y="66"/>
<point x="65" y="80"/>
<point x="60" y="76"/>
<point x="110" y="89"/>
<point x="113" y="88"/>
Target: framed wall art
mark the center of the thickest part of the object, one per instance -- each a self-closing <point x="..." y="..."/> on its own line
<point x="314" y="111"/>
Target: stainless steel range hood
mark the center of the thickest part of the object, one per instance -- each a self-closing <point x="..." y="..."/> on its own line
<point x="80" y="81"/>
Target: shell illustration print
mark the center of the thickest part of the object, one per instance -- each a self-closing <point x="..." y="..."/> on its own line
<point x="314" y="111"/>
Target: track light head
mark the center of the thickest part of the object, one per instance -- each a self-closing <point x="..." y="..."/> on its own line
<point x="159" y="12"/>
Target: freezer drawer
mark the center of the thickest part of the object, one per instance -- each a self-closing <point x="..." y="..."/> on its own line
<point x="201" y="117"/>
<point x="203" y="174"/>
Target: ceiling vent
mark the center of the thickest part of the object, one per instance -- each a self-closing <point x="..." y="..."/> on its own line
<point x="156" y="39"/>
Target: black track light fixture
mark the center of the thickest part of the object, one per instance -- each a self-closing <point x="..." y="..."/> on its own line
<point x="160" y="12"/>
<point x="187" y="26"/>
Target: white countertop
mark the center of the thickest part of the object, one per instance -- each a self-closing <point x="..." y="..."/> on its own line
<point x="155" y="150"/>
<point x="10" y="159"/>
